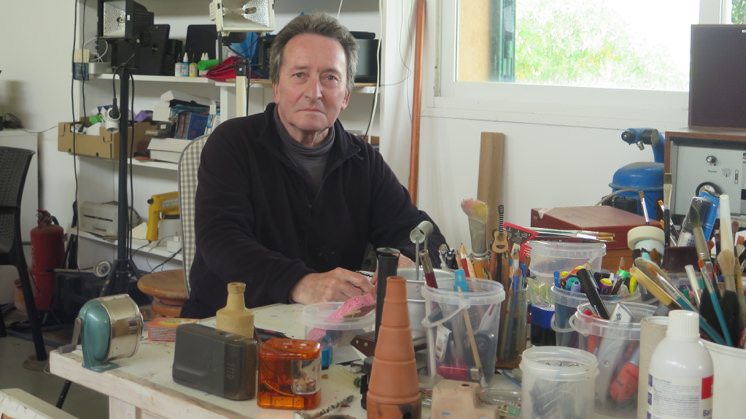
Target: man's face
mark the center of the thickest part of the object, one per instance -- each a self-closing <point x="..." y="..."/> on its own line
<point x="311" y="89"/>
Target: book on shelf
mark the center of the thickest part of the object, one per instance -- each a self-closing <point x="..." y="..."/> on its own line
<point x="190" y="125"/>
<point x="168" y="144"/>
<point x="167" y="156"/>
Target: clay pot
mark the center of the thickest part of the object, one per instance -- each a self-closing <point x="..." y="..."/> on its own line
<point x="393" y="390"/>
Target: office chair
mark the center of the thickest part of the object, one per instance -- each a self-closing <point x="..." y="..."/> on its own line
<point x="170" y="288"/>
<point x="14" y="165"/>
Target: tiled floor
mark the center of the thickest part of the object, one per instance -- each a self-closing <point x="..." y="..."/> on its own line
<point x="19" y="369"/>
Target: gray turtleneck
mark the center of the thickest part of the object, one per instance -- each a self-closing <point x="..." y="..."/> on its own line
<point x="311" y="160"/>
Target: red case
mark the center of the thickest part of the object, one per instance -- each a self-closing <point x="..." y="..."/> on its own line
<point x="595" y="218"/>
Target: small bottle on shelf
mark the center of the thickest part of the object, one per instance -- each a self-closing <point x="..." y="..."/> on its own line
<point x="185" y="65"/>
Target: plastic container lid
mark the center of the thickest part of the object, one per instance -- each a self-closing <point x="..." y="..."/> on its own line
<point x="481" y="292"/>
<point x="559" y="363"/>
<point x="317" y="315"/>
<point x="589" y="325"/>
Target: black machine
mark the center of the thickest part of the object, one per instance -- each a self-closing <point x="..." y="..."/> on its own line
<point x="152" y="53"/>
<point x="215" y="361"/>
<point x="136" y="42"/>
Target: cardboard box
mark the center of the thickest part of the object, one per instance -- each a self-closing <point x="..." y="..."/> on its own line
<point x="105" y="145"/>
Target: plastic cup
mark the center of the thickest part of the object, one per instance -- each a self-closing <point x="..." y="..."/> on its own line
<point x="729" y="386"/>
<point x="616" y="345"/>
<point x="548" y="256"/>
<point x="566" y="303"/>
<point x="557" y="382"/>
<point x="456" y="321"/>
<point x="335" y="333"/>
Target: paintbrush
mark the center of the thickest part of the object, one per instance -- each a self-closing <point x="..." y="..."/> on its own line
<point x="603" y="236"/>
<point x="644" y="207"/>
<point x="466" y="264"/>
<point x="708" y="271"/>
<point x="460" y="285"/>
<point x="476" y="210"/>
<point x="727" y="261"/>
<point x="667" y="189"/>
<point x="694" y="283"/>
<point x="667" y="300"/>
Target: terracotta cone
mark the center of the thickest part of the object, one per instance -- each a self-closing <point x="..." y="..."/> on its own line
<point x="393" y="390"/>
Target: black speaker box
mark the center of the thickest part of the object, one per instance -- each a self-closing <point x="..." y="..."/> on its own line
<point x="717" y="79"/>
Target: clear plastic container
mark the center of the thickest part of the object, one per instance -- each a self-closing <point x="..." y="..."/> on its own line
<point x="616" y="345"/>
<point x="450" y="316"/>
<point x="557" y="382"/>
<point x="728" y="388"/>
<point x="335" y="333"/>
<point x="565" y="304"/>
<point x="549" y="256"/>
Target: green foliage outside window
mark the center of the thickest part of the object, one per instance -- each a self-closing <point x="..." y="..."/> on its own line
<point x="582" y="43"/>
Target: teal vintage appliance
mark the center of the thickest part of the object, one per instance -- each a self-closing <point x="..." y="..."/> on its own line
<point x="640" y="179"/>
<point x="109" y="328"/>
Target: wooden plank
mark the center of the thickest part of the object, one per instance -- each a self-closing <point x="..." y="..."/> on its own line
<point x="490" y="180"/>
<point x="18" y="404"/>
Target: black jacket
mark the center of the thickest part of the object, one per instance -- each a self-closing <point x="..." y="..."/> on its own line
<point x="258" y="220"/>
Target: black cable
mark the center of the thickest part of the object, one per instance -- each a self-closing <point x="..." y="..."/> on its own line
<point x="372" y="112"/>
<point x="173" y="255"/>
<point x="82" y="83"/>
<point x="74" y="120"/>
<point x="131" y="148"/>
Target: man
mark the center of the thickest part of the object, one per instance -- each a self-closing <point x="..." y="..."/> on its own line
<point x="288" y="200"/>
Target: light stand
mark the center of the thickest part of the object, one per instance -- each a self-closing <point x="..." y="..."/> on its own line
<point x="123" y="268"/>
<point x="122" y="21"/>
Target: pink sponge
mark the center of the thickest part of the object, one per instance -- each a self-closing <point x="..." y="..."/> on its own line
<point x="364" y="303"/>
<point x="354" y="307"/>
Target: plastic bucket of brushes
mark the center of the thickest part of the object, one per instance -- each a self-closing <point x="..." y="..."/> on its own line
<point x="616" y="344"/>
<point x="462" y="328"/>
<point x="548" y="256"/>
<point x="566" y="303"/>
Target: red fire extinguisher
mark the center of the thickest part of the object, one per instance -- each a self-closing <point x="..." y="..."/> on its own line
<point x="47" y="253"/>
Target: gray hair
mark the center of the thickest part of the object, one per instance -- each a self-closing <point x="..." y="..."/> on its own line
<point x="318" y="24"/>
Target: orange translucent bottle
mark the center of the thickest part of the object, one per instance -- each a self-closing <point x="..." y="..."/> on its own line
<point x="289" y="374"/>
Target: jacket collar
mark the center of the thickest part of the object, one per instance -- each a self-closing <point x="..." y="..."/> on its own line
<point x="343" y="148"/>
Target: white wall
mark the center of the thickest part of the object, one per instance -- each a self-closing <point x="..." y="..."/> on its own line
<point x="35" y="86"/>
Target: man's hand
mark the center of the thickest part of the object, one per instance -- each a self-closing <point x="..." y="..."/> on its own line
<point x="337" y="285"/>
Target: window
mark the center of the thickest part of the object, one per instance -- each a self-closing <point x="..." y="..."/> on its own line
<point x="601" y="55"/>
<point x="639" y="44"/>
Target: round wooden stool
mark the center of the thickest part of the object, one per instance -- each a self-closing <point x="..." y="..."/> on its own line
<point x="167" y="289"/>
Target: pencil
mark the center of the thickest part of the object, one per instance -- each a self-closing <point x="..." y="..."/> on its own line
<point x="466" y="262"/>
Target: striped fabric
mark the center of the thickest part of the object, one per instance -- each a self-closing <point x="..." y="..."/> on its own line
<point x="187" y="174"/>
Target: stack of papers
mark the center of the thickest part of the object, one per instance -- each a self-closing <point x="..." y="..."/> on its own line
<point x="167" y="149"/>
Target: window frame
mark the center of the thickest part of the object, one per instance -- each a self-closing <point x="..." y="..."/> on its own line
<point x="542" y="104"/>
